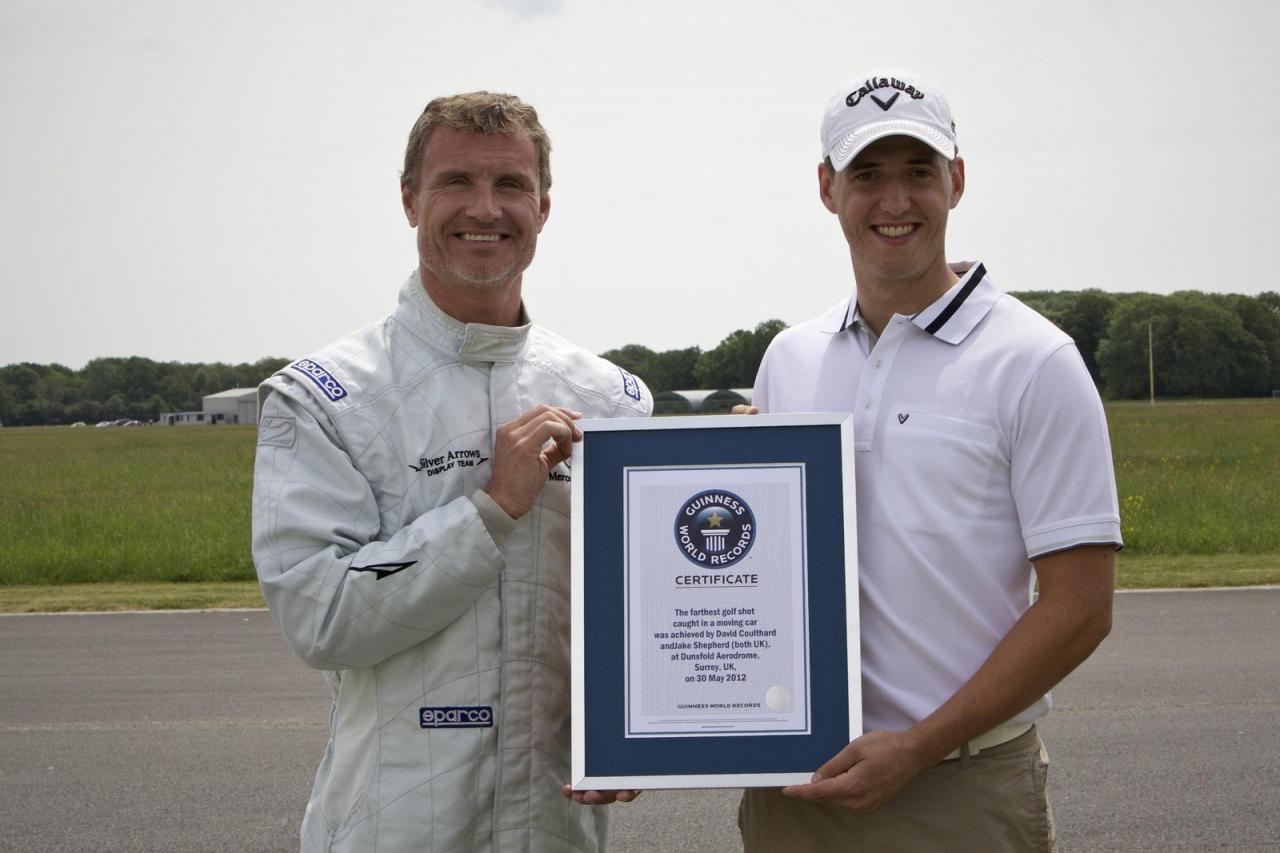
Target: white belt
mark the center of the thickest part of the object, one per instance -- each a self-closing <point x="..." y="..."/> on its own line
<point x="1000" y="734"/>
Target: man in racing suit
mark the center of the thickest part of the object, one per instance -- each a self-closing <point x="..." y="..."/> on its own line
<point x="411" y="518"/>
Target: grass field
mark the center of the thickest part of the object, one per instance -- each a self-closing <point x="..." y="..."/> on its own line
<point x="1198" y="477"/>
<point x="1199" y="486"/>
<point x="95" y="505"/>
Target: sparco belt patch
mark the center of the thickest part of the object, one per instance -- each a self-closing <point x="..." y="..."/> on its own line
<point x="450" y="717"/>
<point x="331" y="387"/>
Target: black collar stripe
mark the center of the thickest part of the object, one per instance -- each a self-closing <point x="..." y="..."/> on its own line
<point x="954" y="306"/>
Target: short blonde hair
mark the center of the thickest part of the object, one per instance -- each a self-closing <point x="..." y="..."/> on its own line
<point x="477" y="112"/>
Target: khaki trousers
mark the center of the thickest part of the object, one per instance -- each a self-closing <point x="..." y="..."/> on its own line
<point x="987" y="803"/>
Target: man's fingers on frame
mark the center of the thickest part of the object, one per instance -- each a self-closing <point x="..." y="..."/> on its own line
<point x="533" y="435"/>
<point x="603" y="798"/>
<point x="824" y="790"/>
<point x="553" y="455"/>
<point x="539" y="411"/>
<point x="599" y="798"/>
<point x="839" y="763"/>
<point x="567" y="417"/>
<point x="562" y="413"/>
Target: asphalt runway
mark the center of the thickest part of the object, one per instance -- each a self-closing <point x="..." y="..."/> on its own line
<point x="182" y="732"/>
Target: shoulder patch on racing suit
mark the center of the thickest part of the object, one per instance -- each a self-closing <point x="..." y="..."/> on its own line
<point x="276" y="431"/>
<point x="324" y="380"/>
<point x="630" y="386"/>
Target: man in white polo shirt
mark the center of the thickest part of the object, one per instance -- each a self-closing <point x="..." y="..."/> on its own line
<point x="982" y="464"/>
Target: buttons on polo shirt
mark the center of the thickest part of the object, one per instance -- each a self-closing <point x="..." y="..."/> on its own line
<point x="866" y="404"/>
<point x="876" y="364"/>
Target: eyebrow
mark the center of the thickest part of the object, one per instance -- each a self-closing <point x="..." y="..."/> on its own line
<point x="448" y="174"/>
<point x="515" y="176"/>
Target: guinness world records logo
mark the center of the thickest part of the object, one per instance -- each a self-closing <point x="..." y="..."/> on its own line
<point x="715" y="529"/>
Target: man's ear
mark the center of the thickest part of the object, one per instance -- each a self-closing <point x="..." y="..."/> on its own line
<point x="544" y="210"/>
<point x="957" y="181"/>
<point x="825" y="177"/>
<point x="409" y="199"/>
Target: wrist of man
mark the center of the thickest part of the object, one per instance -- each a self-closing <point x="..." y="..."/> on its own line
<point x="929" y="744"/>
<point x="495" y="518"/>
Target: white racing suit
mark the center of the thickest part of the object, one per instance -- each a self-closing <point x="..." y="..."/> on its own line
<point x="441" y="624"/>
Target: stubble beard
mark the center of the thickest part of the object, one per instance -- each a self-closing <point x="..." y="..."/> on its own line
<point x="480" y="276"/>
<point x="479" y="279"/>
<point x="903" y="271"/>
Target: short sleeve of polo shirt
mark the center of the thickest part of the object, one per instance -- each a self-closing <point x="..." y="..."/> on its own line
<point x="1062" y="475"/>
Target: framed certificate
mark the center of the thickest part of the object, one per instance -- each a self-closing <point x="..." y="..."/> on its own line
<point x="715" y="600"/>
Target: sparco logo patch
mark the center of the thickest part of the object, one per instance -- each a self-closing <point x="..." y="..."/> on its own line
<point x="630" y="386"/>
<point x="715" y="529"/>
<point x="331" y="387"/>
<point x="478" y="717"/>
<point x="869" y="86"/>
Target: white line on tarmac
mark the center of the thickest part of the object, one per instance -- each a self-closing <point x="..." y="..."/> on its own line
<point x="1262" y="587"/>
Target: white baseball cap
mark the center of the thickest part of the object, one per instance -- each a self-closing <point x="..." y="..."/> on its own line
<point x="886" y="102"/>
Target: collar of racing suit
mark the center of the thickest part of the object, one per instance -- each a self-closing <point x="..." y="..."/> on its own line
<point x="467" y="341"/>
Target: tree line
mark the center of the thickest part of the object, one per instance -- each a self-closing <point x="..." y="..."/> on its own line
<point x="1205" y="345"/>
<point x="111" y="388"/>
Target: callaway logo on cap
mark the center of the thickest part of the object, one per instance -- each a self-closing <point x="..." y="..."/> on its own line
<point x="884" y="103"/>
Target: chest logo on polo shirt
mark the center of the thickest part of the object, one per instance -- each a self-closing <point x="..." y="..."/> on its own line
<point x="447" y="461"/>
<point x="715" y="529"/>
<point x="902" y="419"/>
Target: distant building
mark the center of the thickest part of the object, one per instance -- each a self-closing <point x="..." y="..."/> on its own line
<point x="182" y="419"/>
<point x="235" y="406"/>
<point x="725" y="399"/>
<point x="699" y="402"/>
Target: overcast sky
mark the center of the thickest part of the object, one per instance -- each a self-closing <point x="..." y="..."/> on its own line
<point x="199" y="181"/>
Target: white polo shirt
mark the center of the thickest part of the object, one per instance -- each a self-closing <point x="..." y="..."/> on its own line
<point x="980" y="445"/>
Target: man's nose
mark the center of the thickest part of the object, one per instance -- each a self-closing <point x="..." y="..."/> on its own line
<point x="895" y="199"/>
<point x="482" y="204"/>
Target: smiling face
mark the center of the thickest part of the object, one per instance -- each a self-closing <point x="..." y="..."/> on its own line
<point x="478" y="209"/>
<point x="892" y="202"/>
